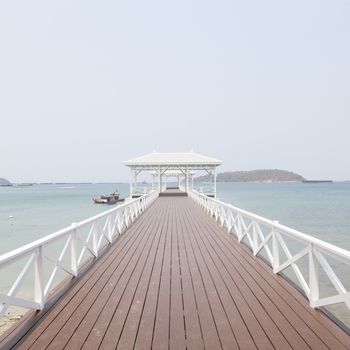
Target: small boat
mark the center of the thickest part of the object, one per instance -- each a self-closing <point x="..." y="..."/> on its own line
<point x="111" y="199"/>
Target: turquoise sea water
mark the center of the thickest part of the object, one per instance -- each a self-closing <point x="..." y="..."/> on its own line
<point x="43" y="209"/>
<point x="321" y="210"/>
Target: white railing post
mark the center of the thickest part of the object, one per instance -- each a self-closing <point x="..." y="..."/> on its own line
<point x="73" y="251"/>
<point x="39" y="278"/>
<point x="255" y="239"/>
<point x="110" y="228"/>
<point x="313" y="276"/>
<point x="281" y="256"/>
<point x="94" y="240"/>
<point x="275" y="248"/>
<point x="239" y="227"/>
<point x="115" y="220"/>
<point x="228" y="221"/>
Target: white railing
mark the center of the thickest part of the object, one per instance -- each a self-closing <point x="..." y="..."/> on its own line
<point x="81" y="242"/>
<point x="141" y="190"/>
<point x="274" y="242"/>
<point x="206" y="189"/>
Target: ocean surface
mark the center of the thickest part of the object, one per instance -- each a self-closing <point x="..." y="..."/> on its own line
<point x="321" y="210"/>
<point x="29" y="213"/>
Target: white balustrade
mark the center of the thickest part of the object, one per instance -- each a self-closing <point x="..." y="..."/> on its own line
<point x="78" y="248"/>
<point x="274" y="241"/>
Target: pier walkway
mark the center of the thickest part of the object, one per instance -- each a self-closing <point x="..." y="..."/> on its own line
<point x="176" y="280"/>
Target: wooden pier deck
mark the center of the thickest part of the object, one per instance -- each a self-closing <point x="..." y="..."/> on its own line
<point x="176" y="280"/>
<point x="172" y="192"/>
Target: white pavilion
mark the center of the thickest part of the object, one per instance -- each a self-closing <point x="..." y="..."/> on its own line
<point x="181" y="165"/>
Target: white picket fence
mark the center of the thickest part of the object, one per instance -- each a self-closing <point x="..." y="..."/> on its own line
<point x="81" y="241"/>
<point x="274" y="241"/>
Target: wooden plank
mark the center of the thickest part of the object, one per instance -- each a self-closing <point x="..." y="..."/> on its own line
<point x="283" y="308"/>
<point x="212" y="332"/>
<point x="84" y="281"/>
<point x="194" y="335"/>
<point x="135" y="305"/>
<point x="177" y="337"/>
<point x="161" y="325"/>
<point x="297" y="320"/>
<point x="106" y="319"/>
<point x="84" y="317"/>
<point x="238" y="326"/>
<point x="85" y="295"/>
<point x="173" y="193"/>
<point x="288" y="298"/>
<point x="229" y="301"/>
<point x="281" y="334"/>
<point x="147" y="319"/>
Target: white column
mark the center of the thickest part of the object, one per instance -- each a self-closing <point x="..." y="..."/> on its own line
<point x="152" y="182"/>
<point x="159" y="181"/>
<point x="186" y="188"/>
<point x="135" y="180"/>
<point x="178" y="181"/>
<point x="166" y="181"/>
<point x="131" y="180"/>
<point x="313" y="277"/>
<point x="192" y="181"/>
<point x="39" y="278"/>
<point x="214" y="182"/>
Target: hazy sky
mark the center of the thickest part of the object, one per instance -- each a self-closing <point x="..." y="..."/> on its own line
<point x="85" y="85"/>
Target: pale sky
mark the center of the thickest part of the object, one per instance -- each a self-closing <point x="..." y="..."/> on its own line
<point x="85" y="85"/>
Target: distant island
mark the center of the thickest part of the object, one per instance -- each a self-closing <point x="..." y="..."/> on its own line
<point x="260" y="175"/>
<point x="4" y="182"/>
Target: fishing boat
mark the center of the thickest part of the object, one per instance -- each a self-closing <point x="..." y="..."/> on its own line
<point x="111" y="199"/>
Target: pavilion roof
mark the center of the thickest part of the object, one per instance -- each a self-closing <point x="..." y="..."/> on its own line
<point x="173" y="159"/>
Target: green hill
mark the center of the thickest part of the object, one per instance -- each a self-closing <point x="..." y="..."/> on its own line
<point x="260" y="175"/>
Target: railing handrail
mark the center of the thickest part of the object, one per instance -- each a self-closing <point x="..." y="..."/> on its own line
<point x="115" y="221"/>
<point x="288" y="230"/>
<point x="266" y="238"/>
<point x="27" y="248"/>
